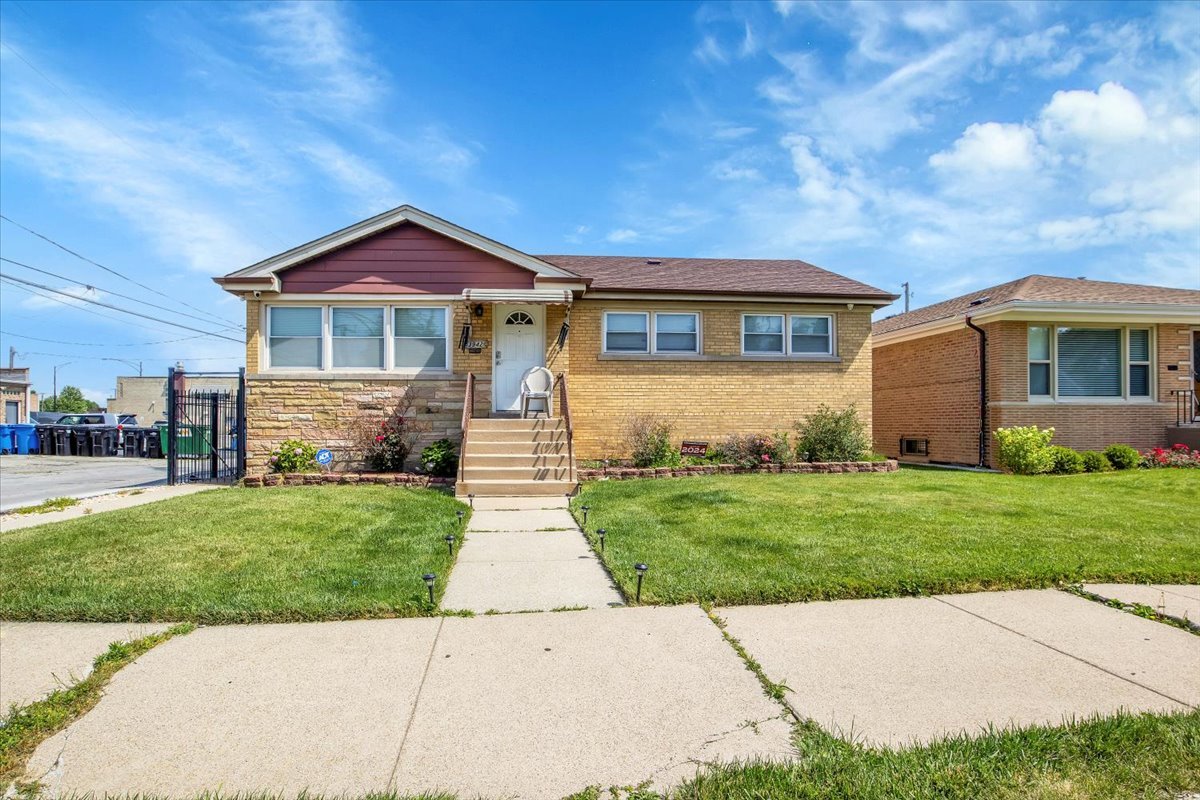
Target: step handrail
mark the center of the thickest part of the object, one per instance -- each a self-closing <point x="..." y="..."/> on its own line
<point x="565" y="409"/>
<point x="467" y="413"/>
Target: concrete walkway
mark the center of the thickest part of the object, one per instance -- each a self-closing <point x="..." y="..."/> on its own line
<point x="38" y="657"/>
<point x="527" y="557"/>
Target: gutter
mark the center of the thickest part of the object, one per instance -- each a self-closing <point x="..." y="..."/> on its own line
<point x="983" y="396"/>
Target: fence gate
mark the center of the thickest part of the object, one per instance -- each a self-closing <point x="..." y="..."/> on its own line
<point x="206" y="424"/>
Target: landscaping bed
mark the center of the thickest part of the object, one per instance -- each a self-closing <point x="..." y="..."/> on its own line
<point x="229" y="555"/>
<point x="737" y="539"/>
<point x="345" y="478"/>
<point x="625" y="473"/>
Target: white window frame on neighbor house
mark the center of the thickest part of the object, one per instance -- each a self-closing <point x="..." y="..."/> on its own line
<point x="1055" y="328"/>
<point x="652" y="348"/>
<point x="787" y="350"/>
<point x="389" y="340"/>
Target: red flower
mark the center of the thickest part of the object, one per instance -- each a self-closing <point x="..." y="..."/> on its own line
<point x="766" y="457"/>
<point x="379" y="438"/>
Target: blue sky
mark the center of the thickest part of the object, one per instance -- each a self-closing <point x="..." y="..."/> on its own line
<point x="950" y="145"/>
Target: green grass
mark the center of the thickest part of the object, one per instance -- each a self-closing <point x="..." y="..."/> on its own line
<point x="24" y="728"/>
<point x="236" y="555"/>
<point x="775" y="538"/>
<point x="46" y="506"/>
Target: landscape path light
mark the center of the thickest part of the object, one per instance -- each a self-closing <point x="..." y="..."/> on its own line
<point x="602" y="533"/>
<point x="471" y="498"/>
<point x="585" y="513"/>
<point x="450" y="543"/>
<point x="641" y="573"/>
<point x="430" y="578"/>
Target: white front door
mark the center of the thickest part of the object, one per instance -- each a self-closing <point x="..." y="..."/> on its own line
<point x="520" y="343"/>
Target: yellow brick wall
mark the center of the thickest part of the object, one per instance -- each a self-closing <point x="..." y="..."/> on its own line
<point x="253" y="318"/>
<point x="708" y="399"/>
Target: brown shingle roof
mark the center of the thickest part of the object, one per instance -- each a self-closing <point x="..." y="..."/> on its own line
<point x="1039" y="288"/>
<point x="714" y="275"/>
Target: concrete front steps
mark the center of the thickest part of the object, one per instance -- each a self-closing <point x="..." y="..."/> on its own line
<point x="507" y="457"/>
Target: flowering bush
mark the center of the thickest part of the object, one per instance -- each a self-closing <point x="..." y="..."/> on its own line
<point x="440" y="458"/>
<point x="648" y="440"/>
<point x="1178" y="456"/>
<point x="829" y="435"/>
<point x="1025" y="450"/>
<point x="391" y="446"/>
<point x="756" y="449"/>
<point x="294" y="456"/>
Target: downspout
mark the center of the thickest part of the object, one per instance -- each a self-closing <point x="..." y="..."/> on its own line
<point x="983" y="395"/>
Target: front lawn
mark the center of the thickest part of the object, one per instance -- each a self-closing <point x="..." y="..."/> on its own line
<point x="773" y="538"/>
<point x="235" y="555"/>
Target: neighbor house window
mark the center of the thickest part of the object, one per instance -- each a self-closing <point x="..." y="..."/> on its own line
<point x="762" y="334"/>
<point x="676" y="333"/>
<point x="812" y="335"/>
<point x="357" y="337"/>
<point x="420" y="338"/>
<point x="626" y="332"/>
<point x="294" y="337"/>
<point x="1071" y="362"/>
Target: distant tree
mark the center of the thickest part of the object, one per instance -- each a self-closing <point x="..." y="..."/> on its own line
<point x="69" y="401"/>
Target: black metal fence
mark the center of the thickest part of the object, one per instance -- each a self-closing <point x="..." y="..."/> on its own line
<point x="206" y="429"/>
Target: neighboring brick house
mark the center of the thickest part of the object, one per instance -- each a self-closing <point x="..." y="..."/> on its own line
<point x="339" y="327"/>
<point x="17" y="393"/>
<point x="1100" y="362"/>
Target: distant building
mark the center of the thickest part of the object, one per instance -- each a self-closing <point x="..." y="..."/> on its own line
<point x="147" y="396"/>
<point x="20" y="400"/>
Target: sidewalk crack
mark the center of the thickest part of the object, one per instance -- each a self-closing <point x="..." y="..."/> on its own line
<point x="412" y="715"/>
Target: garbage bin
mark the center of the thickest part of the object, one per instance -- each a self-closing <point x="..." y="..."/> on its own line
<point x="45" y="440"/>
<point x="132" y="441"/>
<point x="25" y="439"/>
<point x="154" y="441"/>
<point x="163" y="445"/>
<point x="104" y="441"/>
<point x="6" y="440"/>
<point x="82" y="439"/>
<point x="64" y="441"/>
<point x="192" y="440"/>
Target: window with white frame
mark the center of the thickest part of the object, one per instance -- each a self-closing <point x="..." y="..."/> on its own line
<point x="676" y="333"/>
<point x="762" y="334"/>
<point x="812" y="335"/>
<point x="1082" y="362"/>
<point x="420" y="338"/>
<point x="294" y="337"/>
<point x="358" y="340"/>
<point x="626" y="332"/>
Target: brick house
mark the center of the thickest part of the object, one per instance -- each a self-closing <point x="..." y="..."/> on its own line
<point x="20" y="400"/>
<point x="1100" y="362"/>
<point x="339" y="328"/>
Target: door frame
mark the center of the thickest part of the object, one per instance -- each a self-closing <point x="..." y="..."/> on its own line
<point x="500" y="312"/>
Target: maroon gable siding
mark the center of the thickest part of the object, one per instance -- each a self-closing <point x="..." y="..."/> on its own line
<point x="407" y="259"/>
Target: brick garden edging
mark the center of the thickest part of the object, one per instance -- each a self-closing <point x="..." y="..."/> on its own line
<point x="345" y="478"/>
<point x="630" y="473"/>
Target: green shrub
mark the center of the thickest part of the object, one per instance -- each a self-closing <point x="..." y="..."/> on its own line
<point x="1067" y="461"/>
<point x="756" y="449"/>
<point x="648" y="441"/>
<point x="1095" y="461"/>
<point x="1025" y="450"/>
<point x="873" y="456"/>
<point x="294" y="456"/>
<point x="440" y="458"/>
<point x="829" y="435"/>
<point x="1122" y="456"/>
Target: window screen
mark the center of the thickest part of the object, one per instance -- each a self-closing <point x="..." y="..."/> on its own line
<point x="294" y="337"/>
<point x="626" y="333"/>
<point x="357" y="337"/>
<point x="762" y="333"/>
<point x="811" y="335"/>
<point x="676" y="333"/>
<point x="420" y="338"/>
<point x="1089" y="362"/>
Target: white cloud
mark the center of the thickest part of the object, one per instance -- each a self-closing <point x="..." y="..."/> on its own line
<point x="621" y="235"/>
<point x="373" y="191"/>
<point x="1070" y="233"/>
<point x="710" y="52"/>
<point x="1113" y="115"/>
<point x="990" y="147"/>
<point x="732" y="132"/>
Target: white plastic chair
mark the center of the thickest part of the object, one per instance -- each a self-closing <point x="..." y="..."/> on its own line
<point x="537" y="384"/>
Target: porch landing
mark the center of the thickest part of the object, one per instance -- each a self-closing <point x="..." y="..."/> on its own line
<point x="514" y="457"/>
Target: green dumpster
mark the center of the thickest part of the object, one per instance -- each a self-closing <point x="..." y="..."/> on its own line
<point x="192" y="440"/>
<point x="163" y="439"/>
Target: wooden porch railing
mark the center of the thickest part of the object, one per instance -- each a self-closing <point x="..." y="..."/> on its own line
<point x="565" y="409"/>
<point x="468" y="413"/>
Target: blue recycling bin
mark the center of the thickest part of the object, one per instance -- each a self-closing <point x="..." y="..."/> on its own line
<point x="6" y="439"/>
<point x="25" y="439"/>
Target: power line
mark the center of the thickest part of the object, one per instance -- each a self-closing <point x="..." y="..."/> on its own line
<point x="107" y="291"/>
<point x="66" y="249"/>
<point x="105" y="344"/>
<point x="118" y="308"/>
<point x="76" y="307"/>
<point x="86" y="356"/>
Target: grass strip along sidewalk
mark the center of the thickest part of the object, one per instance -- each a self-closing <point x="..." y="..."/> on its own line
<point x="237" y="555"/>
<point x="24" y="728"/>
<point x="745" y="539"/>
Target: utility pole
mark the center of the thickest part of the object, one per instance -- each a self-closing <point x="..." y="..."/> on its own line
<point x="906" y="295"/>
<point x="12" y="357"/>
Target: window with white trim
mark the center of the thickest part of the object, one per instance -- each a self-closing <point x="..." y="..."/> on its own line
<point x="358" y="340"/>
<point x="294" y="337"/>
<point x="1086" y="362"/>
<point x="626" y="332"/>
<point x="762" y="334"/>
<point x="420" y="338"/>
<point x="812" y="335"/>
<point x="676" y="332"/>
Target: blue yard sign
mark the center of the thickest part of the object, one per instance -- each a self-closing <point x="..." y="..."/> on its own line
<point x="324" y="457"/>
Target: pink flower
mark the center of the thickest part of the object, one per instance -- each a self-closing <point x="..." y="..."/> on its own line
<point x="274" y="459"/>
<point x="379" y="438"/>
<point x="766" y="457"/>
<point x="298" y="451"/>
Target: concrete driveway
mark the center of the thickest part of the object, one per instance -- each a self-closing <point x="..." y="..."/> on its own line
<point x="28" y="480"/>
